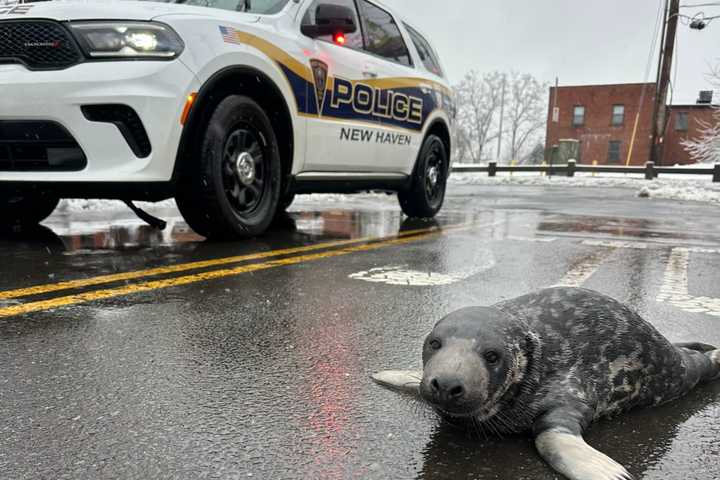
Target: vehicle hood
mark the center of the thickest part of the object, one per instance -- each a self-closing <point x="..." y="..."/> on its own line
<point x="63" y="10"/>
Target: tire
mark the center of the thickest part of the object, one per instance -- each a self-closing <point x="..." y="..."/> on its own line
<point x="426" y="194"/>
<point x="25" y="209"/>
<point x="285" y="202"/>
<point x="234" y="190"/>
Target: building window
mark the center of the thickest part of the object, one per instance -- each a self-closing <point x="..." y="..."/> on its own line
<point x="681" y="122"/>
<point x="618" y="115"/>
<point x="614" y="152"/>
<point x="579" y="116"/>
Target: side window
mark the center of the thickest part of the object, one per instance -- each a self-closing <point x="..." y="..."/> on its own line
<point x="427" y="54"/>
<point x="383" y="35"/>
<point x="352" y="40"/>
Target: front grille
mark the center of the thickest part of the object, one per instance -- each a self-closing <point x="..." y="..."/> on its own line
<point x="38" y="146"/>
<point x="38" y="44"/>
<point x="126" y="120"/>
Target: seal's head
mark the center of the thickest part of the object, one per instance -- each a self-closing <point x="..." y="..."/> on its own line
<point x="471" y="359"/>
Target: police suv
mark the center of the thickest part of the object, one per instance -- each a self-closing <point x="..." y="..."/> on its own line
<point x="230" y="106"/>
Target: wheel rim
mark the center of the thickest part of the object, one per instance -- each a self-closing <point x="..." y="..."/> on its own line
<point x="435" y="174"/>
<point x="244" y="170"/>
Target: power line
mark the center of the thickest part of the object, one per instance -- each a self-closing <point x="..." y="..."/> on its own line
<point x="648" y="69"/>
<point x="700" y="5"/>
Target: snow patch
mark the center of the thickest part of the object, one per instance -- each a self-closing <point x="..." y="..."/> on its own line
<point x="692" y="191"/>
<point x="95" y="205"/>
<point x="695" y="189"/>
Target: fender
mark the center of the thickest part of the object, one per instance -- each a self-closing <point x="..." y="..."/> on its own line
<point x="203" y="107"/>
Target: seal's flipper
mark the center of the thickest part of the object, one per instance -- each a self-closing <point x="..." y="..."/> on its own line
<point x="698" y="347"/>
<point x="404" y="381"/>
<point x="569" y="455"/>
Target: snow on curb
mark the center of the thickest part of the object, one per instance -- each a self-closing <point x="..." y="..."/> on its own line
<point x="93" y="205"/>
<point x="686" y="190"/>
<point x="540" y="180"/>
<point x="695" y="190"/>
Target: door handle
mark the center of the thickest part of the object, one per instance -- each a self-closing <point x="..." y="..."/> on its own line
<point x="369" y="70"/>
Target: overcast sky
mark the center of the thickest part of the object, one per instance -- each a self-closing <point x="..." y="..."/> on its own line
<point x="580" y="41"/>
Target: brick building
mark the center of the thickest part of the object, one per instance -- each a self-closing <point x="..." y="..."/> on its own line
<point x="685" y="123"/>
<point x="596" y="123"/>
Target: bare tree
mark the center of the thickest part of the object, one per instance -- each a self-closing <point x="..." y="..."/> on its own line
<point x="460" y="145"/>
<point x="706" y="148"/>
<point x="478" y="100"/>
<point x="525" y="113"/>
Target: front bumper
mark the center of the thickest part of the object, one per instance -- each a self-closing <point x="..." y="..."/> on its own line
<point x="156" y="91"/>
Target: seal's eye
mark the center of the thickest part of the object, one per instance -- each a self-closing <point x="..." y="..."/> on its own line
<point x="435" y="344"/>
<point x="492" y="357"/>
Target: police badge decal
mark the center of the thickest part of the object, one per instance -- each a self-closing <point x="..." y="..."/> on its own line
<point x="320" y="75"/>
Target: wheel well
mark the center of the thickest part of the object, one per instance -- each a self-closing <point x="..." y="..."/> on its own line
<point x="233" y="81"/>
<point x="440" y="129"/>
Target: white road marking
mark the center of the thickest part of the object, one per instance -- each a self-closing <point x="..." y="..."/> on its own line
<point x="404" y="275"/>
<point x="531" y="239"/>
<point x="644" y="246"/>
<point x="675" y="290"/>
<point x="616" y="244"/>
<point x="581" y="272"/>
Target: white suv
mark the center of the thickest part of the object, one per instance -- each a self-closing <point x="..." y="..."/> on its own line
<point x="230" y="106"/>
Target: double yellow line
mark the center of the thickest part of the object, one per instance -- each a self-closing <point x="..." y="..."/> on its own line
<point x="299" y="255"/>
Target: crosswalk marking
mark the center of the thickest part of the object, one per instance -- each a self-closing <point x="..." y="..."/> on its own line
<point x="582" y="271"/>
<point x="675" y="287"/>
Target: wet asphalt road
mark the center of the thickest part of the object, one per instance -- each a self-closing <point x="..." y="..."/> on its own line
<point x="263" y="372"/>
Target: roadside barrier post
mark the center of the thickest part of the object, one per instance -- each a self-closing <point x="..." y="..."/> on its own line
<point x="595" y="164"/>
<point x="650" y="171"/>
<point x="492" y="169"/>
<point x="571" y="168"/>
<point x="716" y="173"/>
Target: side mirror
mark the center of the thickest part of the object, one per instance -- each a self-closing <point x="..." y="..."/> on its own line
<point x="330" y="20"/>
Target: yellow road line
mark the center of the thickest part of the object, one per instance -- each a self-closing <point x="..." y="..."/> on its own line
<point x="205" y="276"/>
<point x="183" y="267"/>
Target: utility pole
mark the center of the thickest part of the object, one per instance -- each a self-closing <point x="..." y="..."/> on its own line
<point x="672" y="16"/>
<point x="502" y="117"/>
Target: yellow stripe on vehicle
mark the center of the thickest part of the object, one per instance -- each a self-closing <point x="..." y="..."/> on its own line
<point x="303" y="70"/>
<point x="277" y="54"/>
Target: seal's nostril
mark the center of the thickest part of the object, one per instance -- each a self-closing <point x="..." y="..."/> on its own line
<point x="456" y="392"/>
<point x="434" y="385"/>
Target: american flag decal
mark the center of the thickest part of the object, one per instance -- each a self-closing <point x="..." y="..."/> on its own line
<point x="230" y="35"/>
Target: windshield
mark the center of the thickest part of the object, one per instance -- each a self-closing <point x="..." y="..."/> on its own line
<point x="262" y="7"/>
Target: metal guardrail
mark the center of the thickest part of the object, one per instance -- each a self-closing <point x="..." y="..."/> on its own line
<point x="650" y="171"/>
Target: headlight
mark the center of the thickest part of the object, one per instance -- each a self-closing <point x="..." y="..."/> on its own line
<point x="129" y="40"/>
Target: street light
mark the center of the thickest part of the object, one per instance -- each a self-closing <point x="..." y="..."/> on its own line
<point x="698" y="25"/>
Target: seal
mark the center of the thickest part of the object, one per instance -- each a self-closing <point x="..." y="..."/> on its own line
<point x="552" y="363"/>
